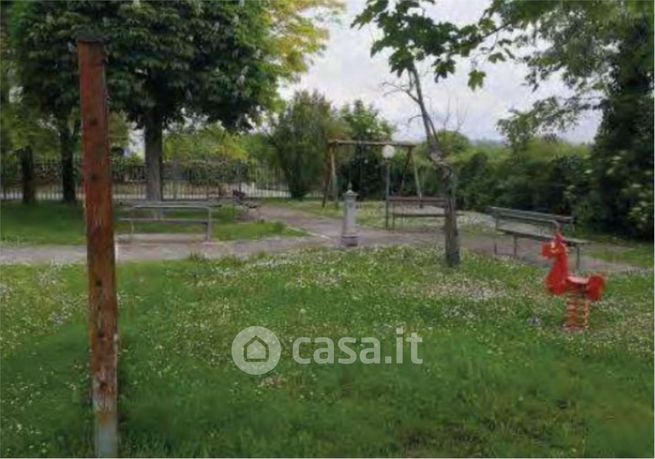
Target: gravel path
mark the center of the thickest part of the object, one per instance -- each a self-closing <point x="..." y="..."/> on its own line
<point x="322" y="232"/>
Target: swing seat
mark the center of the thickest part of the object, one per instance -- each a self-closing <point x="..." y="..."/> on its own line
<point x="414" y="207"/>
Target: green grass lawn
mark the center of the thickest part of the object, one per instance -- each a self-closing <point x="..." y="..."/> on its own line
<point x="636" y="254"/>
<point x="499" y="377"/>
<point x="56" y="223"/>
<point x="618" y="249"/>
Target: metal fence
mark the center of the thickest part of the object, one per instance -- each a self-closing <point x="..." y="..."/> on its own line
<point x="184" y="180"/>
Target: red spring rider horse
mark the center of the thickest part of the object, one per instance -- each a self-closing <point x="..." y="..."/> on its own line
<point x="580" y="290"/>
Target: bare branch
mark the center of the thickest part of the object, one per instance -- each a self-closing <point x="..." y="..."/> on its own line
<point x="405" y="89"/>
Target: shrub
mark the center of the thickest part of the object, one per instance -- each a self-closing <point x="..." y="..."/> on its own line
<point x="548" y="176"/>
<point x="364" y="166"/>
<point x="300" y="135"/>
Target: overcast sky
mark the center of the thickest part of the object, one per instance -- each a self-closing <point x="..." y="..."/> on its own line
<point x="346" y="71"/>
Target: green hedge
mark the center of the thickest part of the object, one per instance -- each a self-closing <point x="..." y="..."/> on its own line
<point x="554" y="185"/>
<point x="562" y="183"/>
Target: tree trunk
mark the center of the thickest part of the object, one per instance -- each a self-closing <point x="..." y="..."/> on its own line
<point x="153" y="129"/>
<point x="27" y="169"/>
<point x="450" y="224"/>
<point x="66" y="143"/>
<point x="447" y="176"/>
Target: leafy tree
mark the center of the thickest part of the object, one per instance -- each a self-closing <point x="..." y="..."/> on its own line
<point x="478" y="182"/>
<point x="364" y="166"/>
<point x="189" y="141"/>
<point x="550" y="176"/>
<point x="412" y="38"/>
<point x="23" y="129"/>
<point x="23" y="126"/>
<point x="44" y="66"/>
<point x="259" y="149"/>
<point x="603" y="51"/>
<point x="623" y="152"/>
<point x="592" y="45"/>
<point x="119" y="132"/>
<point x="171" y="59"/>
<point x="577" y="40"/>
<point x="453" y="142"/>
<point x="220" y="60"/>
<point x="299" y="135"/>
<point x="298" y="31"/>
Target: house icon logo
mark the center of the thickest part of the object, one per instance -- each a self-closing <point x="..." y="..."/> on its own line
<point x="256" y="350"/>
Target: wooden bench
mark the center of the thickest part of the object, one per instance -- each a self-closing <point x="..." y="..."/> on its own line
<point x="160" y="207"/>
<point x="412" y="207"/>
<point x="536" y="225"/>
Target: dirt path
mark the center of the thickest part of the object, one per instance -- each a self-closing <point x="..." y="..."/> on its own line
<point x="322" y="232"/>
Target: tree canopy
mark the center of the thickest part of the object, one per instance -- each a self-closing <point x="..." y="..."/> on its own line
<point x="578" y="41"/>
<point x="219" y="60"/>
<point x="603" y="52"/>
<point x="363" y="167"/>
<point x="412" y="37"/>
<point x="299" y="135"/>
<point x="208" y="141"/>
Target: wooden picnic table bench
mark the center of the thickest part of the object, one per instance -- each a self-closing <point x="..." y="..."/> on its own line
<point x="535" y="225"/>
<point x="413" y="207"/>
<point x="160" y="207"/>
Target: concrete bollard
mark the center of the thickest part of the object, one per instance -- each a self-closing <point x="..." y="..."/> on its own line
<point x="349" y="237"/>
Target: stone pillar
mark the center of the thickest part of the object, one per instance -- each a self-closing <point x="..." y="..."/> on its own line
<point x="349" y="237"/>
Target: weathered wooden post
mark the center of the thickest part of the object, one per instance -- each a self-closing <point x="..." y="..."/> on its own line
<point x="333" y="174"/>
<point x="349" y="237"/>
<point x="103" y="307"/>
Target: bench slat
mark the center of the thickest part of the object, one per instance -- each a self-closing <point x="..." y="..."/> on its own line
<point x="539" y="221"/>
<point x="163" y="206"/>
<point x="506" y="213"/>
<point x="162" y="220"/>
<point x="401" y="207"/>
<point x="544" y="237"/>
<point x="417" y="215"/>
<point x="415" y="200"/>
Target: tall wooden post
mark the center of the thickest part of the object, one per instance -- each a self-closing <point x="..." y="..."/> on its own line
<point x="327" y="173"/>
<point x="103" y="307"/>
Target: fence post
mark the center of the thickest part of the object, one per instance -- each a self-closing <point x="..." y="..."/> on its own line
<point x="27" y="170"/>
<point x="103" y="307"/>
